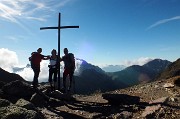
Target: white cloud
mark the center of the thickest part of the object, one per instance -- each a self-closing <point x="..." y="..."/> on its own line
<point x="163" y="21"/>
<point x="11" y="10"/>
<point x="28" y="74"/>
<point x="8" y="59"/>
<point x="15" y="38"/>
<point x="141" y="61"/>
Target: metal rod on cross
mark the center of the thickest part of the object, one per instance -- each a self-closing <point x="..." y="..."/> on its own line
<point x="59" y="27"/>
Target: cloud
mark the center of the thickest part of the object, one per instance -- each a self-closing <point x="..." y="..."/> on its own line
<point x="12" y="10"/>
<point x="15" y="38"/>
<point x="27" y="72"/>
<point x="163" y="21"/>
<point x="8" y="59"/>
<point x="141" y="61"/>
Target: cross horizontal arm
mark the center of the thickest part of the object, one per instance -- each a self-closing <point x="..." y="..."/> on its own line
<point x="43" y="28"/>
<point x="62" y="27"/>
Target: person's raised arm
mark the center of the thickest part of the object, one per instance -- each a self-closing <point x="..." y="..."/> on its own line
<point x="46" y="57"/>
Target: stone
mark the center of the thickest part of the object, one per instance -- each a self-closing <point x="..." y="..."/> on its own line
<point x="25" y="104"/>
<point x="177" y="82"/>
<point x="57" y="94"/>
<point x="38" y="100"/>
<point x="1" y="84"/>
<point x="15" y="112"/>
<point x="4" y="103"/>
<point x="150" y="111"/>
<point x="168" y="85"/>
<point x="125" y="115"/>
<point x="159" y="100"/>
<point x="18" y="89"/>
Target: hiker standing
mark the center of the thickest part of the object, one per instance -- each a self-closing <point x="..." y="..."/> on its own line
<point x="53" y="69"/>
<point x="69" y="67"/>
<point x="35" y="59"/>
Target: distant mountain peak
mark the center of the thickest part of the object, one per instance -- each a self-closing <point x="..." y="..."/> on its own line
<point x="113" y="68"/>
<point x="157" y="65"/>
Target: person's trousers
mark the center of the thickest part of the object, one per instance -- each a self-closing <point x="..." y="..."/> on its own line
<point x="67" y="72"/>
<point x="36" y="71"/>
<point x="53" y="74"/>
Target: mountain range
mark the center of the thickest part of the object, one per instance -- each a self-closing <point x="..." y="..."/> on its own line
<point x="158" y="99"/>
<point x="136" y="74"/>
<point x="92" y="78"/>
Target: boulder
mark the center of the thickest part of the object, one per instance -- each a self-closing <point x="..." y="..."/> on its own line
<point x="15" y="112"/>
<point x="123" y="115"/>
<point x="18" y="89"/>
<point x="4" y="103"/>
<point x="159" y="101"/>
<point x="25" y="104"/>
<point x="1" y="84"/>
<point x="177" y="82"/>
<point x="38" y="100"/>
<point x="61" y="96"/>
<point x="168" y="85"/>
<point x="150" y="111"/>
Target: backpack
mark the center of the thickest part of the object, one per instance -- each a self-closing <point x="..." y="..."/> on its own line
<point x="35" y="59"/>
<point x="71" y="60"/>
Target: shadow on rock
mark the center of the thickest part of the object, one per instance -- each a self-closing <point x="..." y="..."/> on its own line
<point x="119" y="99"/>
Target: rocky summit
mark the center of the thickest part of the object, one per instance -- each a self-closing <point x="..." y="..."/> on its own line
<point x="159" y="99"/>
<point x="155" y="100"/>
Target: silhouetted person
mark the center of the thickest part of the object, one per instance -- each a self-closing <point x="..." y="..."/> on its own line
<point x="35" y="59"/>
<point x="53" y="69"/>
<point x="69" y="67"/>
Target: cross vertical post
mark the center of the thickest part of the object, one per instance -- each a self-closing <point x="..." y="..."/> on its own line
<point x="59" y="24"/>
<point x="59" y="28"/>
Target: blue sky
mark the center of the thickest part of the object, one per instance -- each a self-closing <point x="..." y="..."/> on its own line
<point x="111" y="31"/>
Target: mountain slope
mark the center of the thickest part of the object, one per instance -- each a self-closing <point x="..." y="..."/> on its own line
<point x="92" y="78"/>
<point x="133" y="75"/>
<point x="171" y="71"/>
<point x="8" y="77"/>
<point x="157" y="65"/>
<point x="136" y="74"/>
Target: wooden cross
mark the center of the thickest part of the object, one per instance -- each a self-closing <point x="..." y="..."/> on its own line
<point x="59" y="27"/>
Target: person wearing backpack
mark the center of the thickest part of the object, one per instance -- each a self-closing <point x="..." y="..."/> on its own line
<point x="69" y="67"/>
<point x="53" y="69"/>
<point x="35" y="59"/>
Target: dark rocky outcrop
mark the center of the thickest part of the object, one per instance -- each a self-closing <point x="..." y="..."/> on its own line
<point x="1" y="84"/>
<point x="25" y="104"/>
<point x="18" y="89"/>
<point x="177" y="82"/>
<point x="15" y="112"/>
<point x="4" y="103"/>
<point x="7" y="77"/>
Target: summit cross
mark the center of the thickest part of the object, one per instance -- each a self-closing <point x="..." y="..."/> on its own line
<point x="59" y="27"/>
